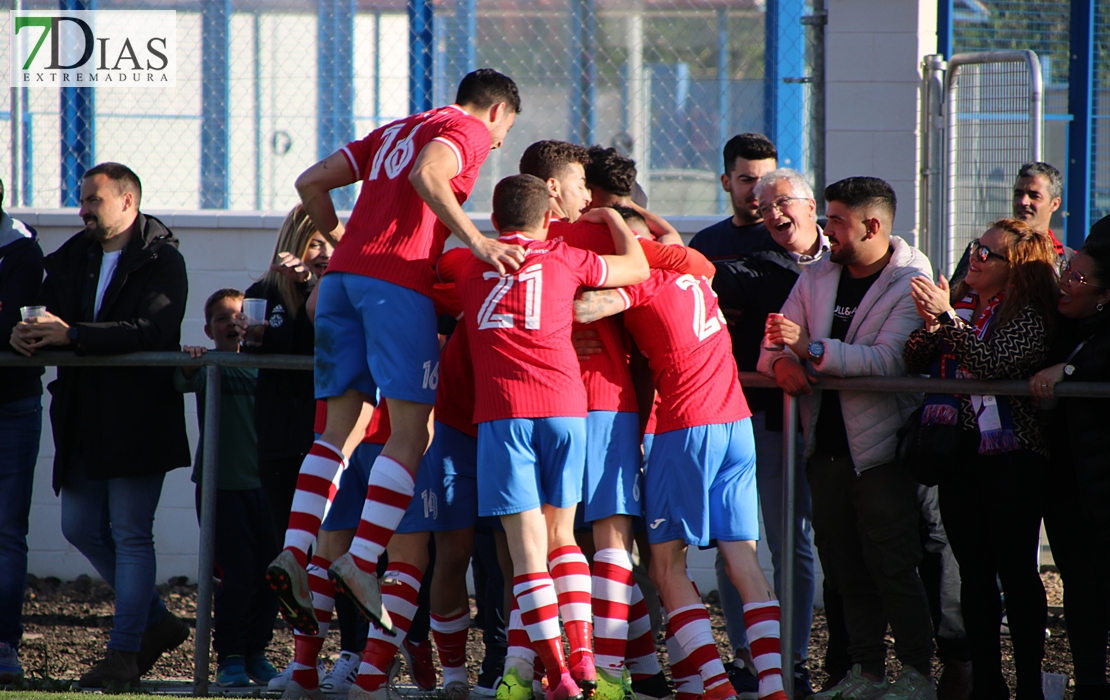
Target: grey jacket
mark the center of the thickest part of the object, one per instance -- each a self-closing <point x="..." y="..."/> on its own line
<point x="872" y="348"/>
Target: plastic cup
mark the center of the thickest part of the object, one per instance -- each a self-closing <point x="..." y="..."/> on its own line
<point x="30" y="313"/>
<point x="767" y="344"/>
<point x="1053" y="685"/>
<point x="255" y="311"/>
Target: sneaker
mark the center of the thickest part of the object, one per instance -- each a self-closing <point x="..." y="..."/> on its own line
<point x="955" y="681"/>
<point x="652" y="688"/>
<point x="567" y="689"/>
<point x="342" y="675"/>
<point x="232" y="672"/>
<point x="10" y="669"/>
<point x="279" y="682"/>
<point x="117" y="668"/>
<point x="259" y="668"/>
<point x="513" y="687"/>
<point x="168" y="634"/>
<point x="611" y="686"/>
<point x="803" y="688"/>
<point x="295" y="691"/>
<point x="855" y="687"/>
<point x="584" y="674"/>
<point x="290" y="580"/>
<point x="488" y="678"/>
<point x="422" y="669"/>
<point x="386" y="692"/>
<point x="911" y="685"/>
<point x="362" y="588"/>
<point x="457" y="690"/>
<point x="744" y="682"/>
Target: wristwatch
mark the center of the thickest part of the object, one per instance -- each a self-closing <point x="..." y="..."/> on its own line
<point x="947" y="318"/>
<point x="71" y="333"/>
<point x="816" y="351"/>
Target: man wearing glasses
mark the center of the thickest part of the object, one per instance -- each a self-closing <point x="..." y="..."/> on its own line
<point x="748" y="157"/>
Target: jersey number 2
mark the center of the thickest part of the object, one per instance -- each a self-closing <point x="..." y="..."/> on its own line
<point x="704" y="325"/>
<point x="532" y="277"/>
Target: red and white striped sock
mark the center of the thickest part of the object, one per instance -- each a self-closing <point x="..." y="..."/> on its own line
<point x="539" y="612"/>
<point x="317" y="483"/>
<point x="687" y="678"/>
<point x="640" y="655"/>
<point x="612" y="598"/>
<point x="762" y="620"/>
<point x="520" y="654"/>
<point x="306" y="648"/>
<point x="449" y="635"/>
<point x="400" y="588"/>
<point x="571" y="573"/>
<point x="387" y="497"/>
<point x="692" y="630"/>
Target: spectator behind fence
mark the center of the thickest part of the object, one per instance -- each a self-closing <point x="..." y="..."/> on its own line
<point x="994" y="325"/>
<point x="20" y="429"/>
<point x="849" y="315"/>
<point x="119" y="286"/>
<point x="749" y="289"/>
<point x="1077" y="515"/>
<point x="748" y="157"/>
<point x="245" y="607"/>
<point x="286" y="406"/>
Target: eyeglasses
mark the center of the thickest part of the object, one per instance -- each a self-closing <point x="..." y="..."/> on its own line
<point x="780" y="204"/>
<point x="984" y="253"/>
<point x="1073" y="277"/>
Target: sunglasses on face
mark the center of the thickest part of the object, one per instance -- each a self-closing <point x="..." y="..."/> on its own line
<point x="1073" y="277"/>
<point x="984" y="253"/>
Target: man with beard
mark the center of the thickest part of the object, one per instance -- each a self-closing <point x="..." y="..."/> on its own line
<point x="119" y="286"/>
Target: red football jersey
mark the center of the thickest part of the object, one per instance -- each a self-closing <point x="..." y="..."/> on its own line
<point x="392" y="235"/>
<point x="455" y="394"/>
<point x="377" y="431"/>
<point x="678" y="326"/>
<point x="519" y="331"/>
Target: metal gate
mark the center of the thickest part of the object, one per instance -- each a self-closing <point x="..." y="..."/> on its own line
<point x="983" y="119"/>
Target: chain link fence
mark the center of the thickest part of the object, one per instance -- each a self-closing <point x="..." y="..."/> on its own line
<point x="267" y="87"/>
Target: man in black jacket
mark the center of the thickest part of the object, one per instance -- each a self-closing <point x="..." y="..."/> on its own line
<point x="20" y="428"/>
<point x="119" y="286"/>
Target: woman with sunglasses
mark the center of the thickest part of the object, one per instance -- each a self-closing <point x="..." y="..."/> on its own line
<point x="1077" y="516"/>
<point x="995" y="325"/>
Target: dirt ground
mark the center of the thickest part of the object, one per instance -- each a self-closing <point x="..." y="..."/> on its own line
<point x="67" y="625"/>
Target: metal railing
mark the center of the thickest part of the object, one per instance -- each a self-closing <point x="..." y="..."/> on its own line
<point x="212" y="361"/>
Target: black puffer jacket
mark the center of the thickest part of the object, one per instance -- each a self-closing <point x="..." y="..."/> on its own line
<point x="124" y="421"/>
<point x="20" y="280"/>
<point x="1078" y="435"/>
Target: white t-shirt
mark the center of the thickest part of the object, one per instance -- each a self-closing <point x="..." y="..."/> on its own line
<point x="108" y="264"/>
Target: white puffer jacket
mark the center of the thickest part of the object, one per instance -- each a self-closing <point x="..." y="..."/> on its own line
<point x="872" y="348"/>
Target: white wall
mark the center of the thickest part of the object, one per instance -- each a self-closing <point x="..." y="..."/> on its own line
<point x="873" y="79"/>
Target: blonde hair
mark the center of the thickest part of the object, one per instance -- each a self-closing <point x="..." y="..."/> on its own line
<point x="296" y="231"/>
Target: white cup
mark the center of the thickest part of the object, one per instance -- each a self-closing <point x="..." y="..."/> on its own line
<point x="255" y="311"/>
<point x="30" y="313"/>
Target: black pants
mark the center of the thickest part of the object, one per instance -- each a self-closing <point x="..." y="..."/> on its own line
<point x="1079" y="554"/>
<point x="245" y="607"/>
<point x="279" y="482"/>
<point x="940" y="573"/>
<point x="992" y="507"/>
<point x="489" y="594"/>
<point x="866" y="528"/>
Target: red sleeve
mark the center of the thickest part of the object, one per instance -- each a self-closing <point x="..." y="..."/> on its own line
<point x="359" y="153"/>
<point x="640" y="293"/>
<point x="589" y="268"/>
<point x="678" y="258"/>
<point x="451" y="264"/>
<point x="468" y="138"/>
<point x="445" y="299"/>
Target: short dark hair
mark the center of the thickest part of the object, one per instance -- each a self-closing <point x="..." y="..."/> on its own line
<point x="629" y="214"/>
<point x="486" y="87"/>
<point x="218" y="296"/>
<point x="1055" y="179"/>
<point x="550" y="159"/>
<point x="519" y="202"/>
<point x="610" y="171"/>
<point x="857" y="192"/>
<point x="1" y="195"/>
<point x="749" y="146"/>
<point x="124" y="177"/>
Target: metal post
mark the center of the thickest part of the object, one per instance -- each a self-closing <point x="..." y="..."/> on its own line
<point x="335" y="47"/>
<point x="211" y="447"/>
<point x="786" y="595"/>
<point x="817" y="21"/>
<point x="15" y="189"/>
<point x="257" y="26"/>
<point x="723" y="111"/>
<point x="78" y="112"/>
<point x="583" y="73"/>
<point x="421" y="58"/>
<point x="931" y="229"/>
<point x="638" y="108"/>
<point x="784" y="64"/>
<point x="1080" y="134"/>
<point x="214" y="103"/>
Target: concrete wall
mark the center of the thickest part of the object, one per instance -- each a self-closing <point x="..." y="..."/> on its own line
<point x="873" y="82"/>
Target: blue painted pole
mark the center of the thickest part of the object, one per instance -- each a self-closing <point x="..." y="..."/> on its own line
<point x="1080" y="134"/>
<point x="723" y="106"/>
<point x="335" y="48"/>
<point x="421" y="58"/>
<point x="944" y="27"/>
<point x="784" y="103"/>
<point x="214" y="103"/>
<point x="78" y="128"/>
<point x="469" y="23"/>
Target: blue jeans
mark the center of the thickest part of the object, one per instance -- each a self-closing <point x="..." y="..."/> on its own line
<point x="20" y="429"/>
<point x="111" y="522"/>
<point x="768" y="466"/>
